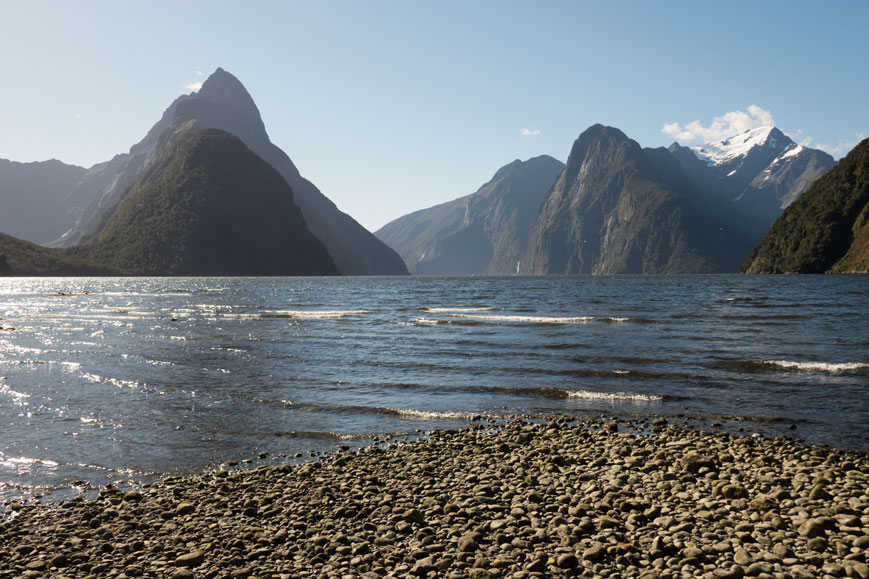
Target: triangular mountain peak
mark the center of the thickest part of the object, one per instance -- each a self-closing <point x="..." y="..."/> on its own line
<point x="222" y="86"/>
<point x="224" y="103"/>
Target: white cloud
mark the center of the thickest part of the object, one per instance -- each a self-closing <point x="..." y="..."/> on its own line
<point x="727" y="125"/>
<point x="841" y="148"/>
<point x="530" y="132"/>
<point x="197" y="84"/>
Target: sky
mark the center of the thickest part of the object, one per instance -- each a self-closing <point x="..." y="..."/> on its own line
<point x="390" y="106"/>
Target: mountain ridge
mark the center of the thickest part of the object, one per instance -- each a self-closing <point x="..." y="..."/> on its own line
<point x="484" y="233"/>
<point x="761" y="171"/>
<point x="34" y="198"/>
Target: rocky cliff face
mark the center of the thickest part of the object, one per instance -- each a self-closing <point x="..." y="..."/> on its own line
<point x="485" y="233"/>
<point x="826" y="228"/>
<point x="207" y="206"/>
<point x="617" y="208"/>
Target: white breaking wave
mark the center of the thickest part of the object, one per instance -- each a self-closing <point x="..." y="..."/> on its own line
<point x="7" y="347"/>
<point x="17" y="397"/>
<point x="454" y="310"/>
<point x="434" y="414"/>
<point x="317" y="314"/>
<point x="818" y="366"/>
<point x="629" y="396"/>
<point x="96" y="378"/>
<point x="526" y="319"/>
<point x="295" y="314"/>
<point x="160" y="363"/>
<point x="23" y="461"/>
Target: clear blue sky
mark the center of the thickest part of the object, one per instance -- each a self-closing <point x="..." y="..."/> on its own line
<point x="392" y="106"/>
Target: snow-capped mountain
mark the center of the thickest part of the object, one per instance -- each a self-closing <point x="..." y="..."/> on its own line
<point x="731" y="148"/>
<point x="761" y="170"/>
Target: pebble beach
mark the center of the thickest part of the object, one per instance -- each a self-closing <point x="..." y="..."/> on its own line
<point x="559" y="498"/>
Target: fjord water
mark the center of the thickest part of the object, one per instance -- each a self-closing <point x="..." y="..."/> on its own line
<point x="107" y="380"/>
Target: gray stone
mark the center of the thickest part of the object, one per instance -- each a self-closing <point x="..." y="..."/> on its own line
<point x="467" y="543"/>
<point x="734" y="572"/>
<point x="742" y="557"/>
<point x="38" y="565"/>
<point x="813" y="528"/>
<point x="192" y="559"/>
<point x="857" y="569"/>
<point x="665" y="522"/>
<point x="801" y="572"/>
<point x="818" y="544"/>
<point x="185" y="508"/>
<point x="567" y="561"/>
<point x="819" y="493"/>
<point x="595" y="553"/>
<point x="733" y="491"/>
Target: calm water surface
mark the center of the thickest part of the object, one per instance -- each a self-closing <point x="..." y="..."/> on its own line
<point x="111" y="380"/>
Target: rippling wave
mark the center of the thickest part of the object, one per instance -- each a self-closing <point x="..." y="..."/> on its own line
<point x="835" y="368"/>
<point x="153" y="376"/>
<point x="628" y="396"/>
<point x="516" y="319"/>
<point x="454" y="310"/>
<point x="761" y="366"/>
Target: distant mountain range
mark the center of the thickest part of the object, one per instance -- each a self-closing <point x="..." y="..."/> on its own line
<point x="205" y="192"/>
<point x="615" y="208"/>
<point x="826" y="229"/>
<point x="35" y="199"/>
<point x="75" y="204"/>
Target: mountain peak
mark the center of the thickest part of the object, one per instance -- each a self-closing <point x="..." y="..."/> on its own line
<point x="600" y="141"/>
<point x="729" y="148"/>
<point x="538" y="164"/>
<point x="598" y="131"/>
<point x="222" y="86"/>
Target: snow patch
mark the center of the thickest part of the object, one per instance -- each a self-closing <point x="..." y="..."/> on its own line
<point x="720" y="152"/>
<point x="792" y="152"/>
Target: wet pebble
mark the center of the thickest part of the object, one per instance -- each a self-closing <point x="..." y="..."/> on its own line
<point x="522" y="499"/>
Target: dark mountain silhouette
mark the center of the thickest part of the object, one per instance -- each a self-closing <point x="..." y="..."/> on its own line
<point x="207" y="206"/>
<point x="826" y="228"/>
<point x="485" y="233"/>
<point x="24" y="258"/>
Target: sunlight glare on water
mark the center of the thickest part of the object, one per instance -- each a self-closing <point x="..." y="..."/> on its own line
<point x="105" y="380"/>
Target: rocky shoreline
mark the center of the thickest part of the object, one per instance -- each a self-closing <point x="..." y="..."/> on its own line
<point x="521" y="499"/>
